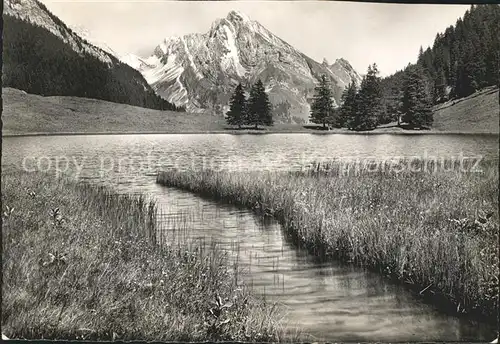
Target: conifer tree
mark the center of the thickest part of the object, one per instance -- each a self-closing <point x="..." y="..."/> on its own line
<point x="393" y="105"/>
<point x="259" y="107"/>
<point x="369" y="102"/>
<point x="322" y="106"/>
<point x="439" y="93"/>
<point x="416" y="105"/>
<point x="334" y="117"/>
<point x="347" y="111"/>
<point x="237" y="114"/>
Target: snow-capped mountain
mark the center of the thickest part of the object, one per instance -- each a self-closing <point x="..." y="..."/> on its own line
<point x="200" y="70"/>
<point x="89" y="37"/>
<point x="133" y="61"/>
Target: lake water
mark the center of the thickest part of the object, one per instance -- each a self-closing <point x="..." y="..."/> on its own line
<point x="330" y="301"/>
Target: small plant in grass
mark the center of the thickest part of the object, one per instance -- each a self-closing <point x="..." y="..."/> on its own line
<point x="57" y="259"/>
<point x="218" y="318"/>
<point x="56" y="217"/>
<point x="8" y="212"/>
<point x="31" y="193"/>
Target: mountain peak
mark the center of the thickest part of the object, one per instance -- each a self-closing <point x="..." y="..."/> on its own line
<point x="87" y="35"/>
<point x="237" y="16"/>
<point x="200" y="71"/>
<point x="234" y="21"/>
<point x="342" y="61"/>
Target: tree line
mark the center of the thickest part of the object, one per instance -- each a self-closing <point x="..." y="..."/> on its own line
<point x="463" y="59"/>
<point x="364" y="107"/>
<point x="254" y="111"/>
<point x="466" y="57"/>
<point x="39" y="62"/>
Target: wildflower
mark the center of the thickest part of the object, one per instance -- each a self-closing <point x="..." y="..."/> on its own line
<point x="8" y="212"/>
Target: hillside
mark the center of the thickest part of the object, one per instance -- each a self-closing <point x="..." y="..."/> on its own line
<point x="27" y="113"/>
<point x="41" y="55"/>
<point x="462" y="60"/>
<point x="478" y="112"/>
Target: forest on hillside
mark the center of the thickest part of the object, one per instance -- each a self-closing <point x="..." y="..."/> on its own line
<point x="463" y="59"/>
<point x="38" y="62"/>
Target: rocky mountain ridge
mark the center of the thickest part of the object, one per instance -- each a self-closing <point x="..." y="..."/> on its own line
<point x="200" y="70"/>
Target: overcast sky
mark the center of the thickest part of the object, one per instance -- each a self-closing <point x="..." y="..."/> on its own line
<point x="362" y="33"/>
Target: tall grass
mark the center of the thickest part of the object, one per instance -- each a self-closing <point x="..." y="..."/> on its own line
<point x="80" y="262"/>
<point x="435" y="231"/>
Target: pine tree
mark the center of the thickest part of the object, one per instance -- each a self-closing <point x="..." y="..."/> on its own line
<point x="259" y="107"/>
<point x="394" y="105"/>
<point x="237" y="114"/>
<point x="420" y="55"/>
<point x="348" y="108"/>
<point x="322" y="106"/>
<point x="334" y="118"/>
<point x="416" y="105"/>
<point x="439" y="93"/>
<point x="369" y="101"/>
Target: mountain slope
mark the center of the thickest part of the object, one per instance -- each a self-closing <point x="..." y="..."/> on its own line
<point x="25" y="113"/>
<point x="201" y="70"/>
<point x="478" y="112"/>
<point x="43" y="56"/>
<point x="36" y="13"/>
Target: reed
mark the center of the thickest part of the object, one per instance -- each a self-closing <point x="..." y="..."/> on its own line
<point x="81" y="262"/>
<point x="436" y="231"/>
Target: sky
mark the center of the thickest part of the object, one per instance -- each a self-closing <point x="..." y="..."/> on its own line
<point x="362" y="33"/>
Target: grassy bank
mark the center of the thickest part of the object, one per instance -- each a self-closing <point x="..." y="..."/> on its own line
<point x="80" y="262"/>
<point x="436" y="232"/>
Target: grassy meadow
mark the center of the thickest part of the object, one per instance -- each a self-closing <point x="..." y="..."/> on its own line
<point x="433" y="230"/>
<point x="30" y="114"/>
<point x="478" y="112"/>
<point x="80" y="262"/>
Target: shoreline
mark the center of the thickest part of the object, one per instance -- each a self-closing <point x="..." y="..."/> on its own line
<point x="249" y="132"/>
<point x="73" y="294"/>
<point x="324" y="233"/>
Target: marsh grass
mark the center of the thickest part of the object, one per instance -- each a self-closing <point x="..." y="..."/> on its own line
<point x="80" y="262"/>
<point x="435" y="231"/>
